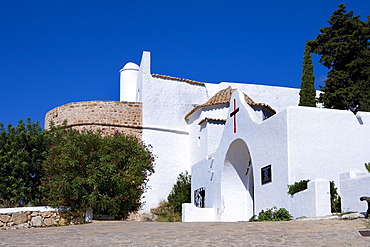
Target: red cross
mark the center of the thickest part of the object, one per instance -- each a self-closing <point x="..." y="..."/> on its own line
<point x="233" y="114"/>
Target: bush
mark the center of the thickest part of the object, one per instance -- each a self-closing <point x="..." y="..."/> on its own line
<point x="367" y="166"/>
<point x="171" y="210"/>
<point x="335" y="200"/>
<point x="298" y="187"/>
<point x="86" y="170"/>
<point x="272" y="214"/>
<point x="181" y="192"/>
<point x="22" y="151"/>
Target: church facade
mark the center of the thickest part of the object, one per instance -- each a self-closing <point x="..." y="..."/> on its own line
<point x="242" y="143"/>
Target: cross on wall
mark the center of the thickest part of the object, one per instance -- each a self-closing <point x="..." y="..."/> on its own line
<point x="233" y="114"/>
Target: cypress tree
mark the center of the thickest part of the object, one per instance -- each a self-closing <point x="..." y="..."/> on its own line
<point x="308" y="91"/>
<point x="344" y="48"/>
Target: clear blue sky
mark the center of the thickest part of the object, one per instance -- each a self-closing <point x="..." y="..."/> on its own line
<point x="56" y="52"/>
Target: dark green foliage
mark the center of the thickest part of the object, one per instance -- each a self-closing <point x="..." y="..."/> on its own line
<point x="273" y="214"/>
<point x="335" y="199"/>
<point x="181" y="192"/>
<point x="85" y="170"/>
<point x="308" y="91"/>
<point x="344" y="48"/>
<point x="298" y="186"/>
<point x="22" y="151"/>
<point x="367" y="166"/>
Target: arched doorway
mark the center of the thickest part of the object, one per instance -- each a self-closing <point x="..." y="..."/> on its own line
<point x="237" y="184"/>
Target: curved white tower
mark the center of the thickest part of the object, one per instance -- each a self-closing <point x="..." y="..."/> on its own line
<point x="128" y="82"/>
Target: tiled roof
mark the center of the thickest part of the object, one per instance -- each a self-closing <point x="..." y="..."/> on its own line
<point x="207" y="119"/>
<point x="223" y="98"/>
<point x="178" y="79"/>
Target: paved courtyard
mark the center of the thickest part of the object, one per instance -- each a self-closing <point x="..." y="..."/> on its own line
<point x="120" y="233"/>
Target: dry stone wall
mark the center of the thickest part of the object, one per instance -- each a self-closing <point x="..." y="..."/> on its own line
<point x="108" y="116"/>
<point x="27" y="219"/>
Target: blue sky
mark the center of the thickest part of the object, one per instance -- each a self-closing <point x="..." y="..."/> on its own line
<point x="57" y="52"/>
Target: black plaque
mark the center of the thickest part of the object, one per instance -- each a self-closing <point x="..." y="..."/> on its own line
<point x="266" y="174"/>
<point x="199" y="195"/>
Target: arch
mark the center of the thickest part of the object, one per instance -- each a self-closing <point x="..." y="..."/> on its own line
<point x="237" y="184"/>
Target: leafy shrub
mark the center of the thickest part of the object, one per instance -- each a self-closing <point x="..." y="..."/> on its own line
<point x="171" y="210"/>
<point x="86" y="170"/>
<point x="272" y="214"/>
<point x="367" y="166"/>
<point x="22" y="151"/>
<point x="298" y="187"/>
<point x="181" y="192"/>
<point x="335" y="199"/>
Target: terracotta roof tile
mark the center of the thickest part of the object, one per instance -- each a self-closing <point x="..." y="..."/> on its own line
<point x="178" y="79"/>
<point x="223" y="98"/>
<point x="207" y="119"/>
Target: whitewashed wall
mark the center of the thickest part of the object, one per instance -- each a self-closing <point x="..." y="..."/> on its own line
<point x="354" y="184"/>
<point x="267" y="144"/>
<point x="165" y="103"/>
<point x="315" y="201"/>
<point x="325" y="143"/>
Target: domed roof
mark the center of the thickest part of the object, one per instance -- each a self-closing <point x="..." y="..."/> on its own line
<point x="130" y="66"/>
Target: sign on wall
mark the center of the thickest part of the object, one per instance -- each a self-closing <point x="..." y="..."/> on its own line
<point x="266" y="174"/>
<point x="199" y="196"/>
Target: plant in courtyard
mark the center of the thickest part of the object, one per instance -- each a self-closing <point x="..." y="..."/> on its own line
<point x="335" y="199"/>
<point x="297" y="187"/>
<point x="181" y="192"/>
<point x="308" y="92"/>
<point x="171" y="210"/>
<point x="367" y="166"/>
<point x="272" y="214"/>
<point x="87" y="170"/>
<point x="22" y="151"/>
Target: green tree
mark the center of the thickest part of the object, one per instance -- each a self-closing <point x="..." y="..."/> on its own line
<point x="181" y="192"/>
<point x="345" y="50"/>
<point x="308" y="91"/>
<point x="22" y="151"/>
<point x="87" y="170"/>
<point x="335" y="199"/>
<point x="171" y="210"/>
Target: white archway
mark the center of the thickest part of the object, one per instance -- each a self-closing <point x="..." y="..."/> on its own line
<point x="237" y="184"/>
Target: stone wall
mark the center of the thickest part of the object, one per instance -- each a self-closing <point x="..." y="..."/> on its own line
<point x="35" y="217"/>
<point x="108" y="116"/>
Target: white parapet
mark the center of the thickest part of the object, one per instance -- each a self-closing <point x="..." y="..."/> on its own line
<point x="313" y="202"/>
<point x="353" y="185"/>
<point x="191" y="213"/>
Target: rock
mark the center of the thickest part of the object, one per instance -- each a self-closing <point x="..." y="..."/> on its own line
<point x="47" y="214"/>
<point x="352" y="216"/>
<point x="4" y="218"/>
<point x="9" y="224"/>
<point x="2" y="224"/>
<point x="24" y="225"/>
<point x="19" y="218"/>
<point x="36" y="221"/>
<point x="50" y="222"/>
<point x="63" y="222"/>
<point x="35" y="214"/>
<point x="78" y="220"/>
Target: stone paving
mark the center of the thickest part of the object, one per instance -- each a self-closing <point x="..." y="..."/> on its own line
<point x="332" y="232"/>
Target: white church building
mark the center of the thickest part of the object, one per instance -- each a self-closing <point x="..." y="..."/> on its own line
<point x="243" y="144"/>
